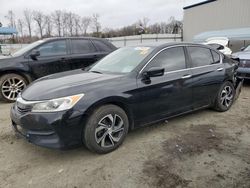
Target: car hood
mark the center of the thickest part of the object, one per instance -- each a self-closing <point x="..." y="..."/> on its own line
<point x="4" y="59"/>
<point x="218" y="40"/>
<point x="66" y="84"/>
<point x="242" y="55"/>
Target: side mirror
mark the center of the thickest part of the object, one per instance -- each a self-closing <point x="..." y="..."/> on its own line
<point x="154" y="72"/>
<point x="242" y="49"/>
<point x="34" y="54"/>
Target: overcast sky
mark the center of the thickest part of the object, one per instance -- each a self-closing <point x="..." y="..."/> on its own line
<point x="113" y="13"/>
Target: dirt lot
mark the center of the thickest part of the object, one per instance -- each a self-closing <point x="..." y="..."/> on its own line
<point x="204" y="149"/>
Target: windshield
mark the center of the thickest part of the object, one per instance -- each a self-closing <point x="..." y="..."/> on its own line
<point x="26" y="48"/>
<point x="123" y="60"/>
<point x="247" y="48"/>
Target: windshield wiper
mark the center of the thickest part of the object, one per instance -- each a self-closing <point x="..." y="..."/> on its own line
<point x="96" y="72"/>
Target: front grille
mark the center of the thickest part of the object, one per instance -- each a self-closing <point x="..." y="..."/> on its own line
<point x="244" y="63"/>
<point x="23" y="108"/>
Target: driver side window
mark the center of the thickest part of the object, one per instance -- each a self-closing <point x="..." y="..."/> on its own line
<point x="171" y="59"/>
<point x="53" y="48"/>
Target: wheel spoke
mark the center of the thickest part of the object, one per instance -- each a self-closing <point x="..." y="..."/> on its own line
<point x="114" y="121"/>
<point x="110" y="117"/>
<point x="9" y="81"/>
<point x="229" y="97"/>
<point x="102" y="137"/>
<point x="118" y="130"/>
<point x="98" y="129"/>
<point x="9" y="94"/>
<point x="7" y="89"/>
<point x="111" y="140"/>
<point x="18" y="83"/>
<point x="21" y="85"/>
<point x="103" y="140"/>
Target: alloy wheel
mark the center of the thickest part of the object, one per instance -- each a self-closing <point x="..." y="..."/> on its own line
<point x="109" y="130"/>
<point x="11" y="87"/>
<point x="227" y="96"/>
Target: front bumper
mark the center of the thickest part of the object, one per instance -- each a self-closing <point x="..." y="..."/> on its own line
<point x="58" y="130"/>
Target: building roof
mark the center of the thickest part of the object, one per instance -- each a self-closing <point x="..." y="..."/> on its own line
<point x="231" y="34"/>
<point x="7" y="31"/>
<point x="198" y="4"/>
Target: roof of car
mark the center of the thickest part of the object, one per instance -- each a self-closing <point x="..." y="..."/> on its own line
<point x="178" y="43"/>
<point x="163" y="45"/>
<point x="55" y="38"/>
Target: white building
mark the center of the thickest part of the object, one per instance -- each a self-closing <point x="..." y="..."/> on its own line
<point x="218" y="18"/>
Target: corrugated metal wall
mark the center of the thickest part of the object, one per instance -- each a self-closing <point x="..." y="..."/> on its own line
<point x="220" y="14"/>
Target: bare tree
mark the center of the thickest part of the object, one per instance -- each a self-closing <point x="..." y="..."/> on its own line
<point x="28" y="19"/>
<point x="48" y="25"/>
<point x="96" y="23"/>
<point x="64" y="23"/>
<point x="85" y="23"/>
<point x="70" y="22"/>
<point x="57" y="18"/>
<point x="155" y="28"/>
<point x="11" y="18"/>
<point x="39" y="18"/>
<point x="145" y="21"/>
<point x="20" y="27"/>
<point x="77" y="20"/>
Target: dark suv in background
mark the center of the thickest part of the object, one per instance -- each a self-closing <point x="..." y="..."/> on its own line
<point x="46" y="57"/>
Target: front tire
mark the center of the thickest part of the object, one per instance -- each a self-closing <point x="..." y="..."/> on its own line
<point x="106" y="129"/>
<point x="10" y="86"/>
<point x="225" y="97"/>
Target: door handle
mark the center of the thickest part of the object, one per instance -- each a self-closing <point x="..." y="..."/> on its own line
<point x="220" y="69"/>
<point x="96" y="57"/>
<point x="186" y="76"/>
<point x="63" y="59"/>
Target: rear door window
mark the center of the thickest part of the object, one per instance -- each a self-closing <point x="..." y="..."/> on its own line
<point x="82" y="46"/>
<point x="216" y="57"/>
<point x="171" y="59"/>
<point x="200" y="56"/>
<point x="102" y="46"/>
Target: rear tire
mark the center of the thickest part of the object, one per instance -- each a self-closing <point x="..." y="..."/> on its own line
<point x="225" y="97"/>
<point x="106" y="129"/>
<point x="10" y="86"/>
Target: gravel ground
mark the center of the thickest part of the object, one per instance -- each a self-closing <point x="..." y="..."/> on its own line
<point x="203" y="149"/>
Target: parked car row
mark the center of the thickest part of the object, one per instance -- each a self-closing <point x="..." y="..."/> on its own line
<point x="244" y="66"/>
<point x="46" y="57"/>
<point x="127" y="89"/>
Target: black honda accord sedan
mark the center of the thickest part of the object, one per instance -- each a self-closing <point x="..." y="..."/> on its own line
<point x="129" y="88"/>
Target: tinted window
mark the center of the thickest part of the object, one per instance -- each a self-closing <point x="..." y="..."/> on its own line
<point x="216" y="57"/>
<point x="200" y="56"/>
<point x="171" y="59"/>
<point x="101" y="46"/>
<point x="53" y="48"/>
<point x="82" y="46"/>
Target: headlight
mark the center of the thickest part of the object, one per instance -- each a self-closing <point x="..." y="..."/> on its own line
<point x="55" y="105"/>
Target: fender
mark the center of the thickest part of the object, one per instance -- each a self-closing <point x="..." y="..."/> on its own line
<point x="116" y="100"/>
